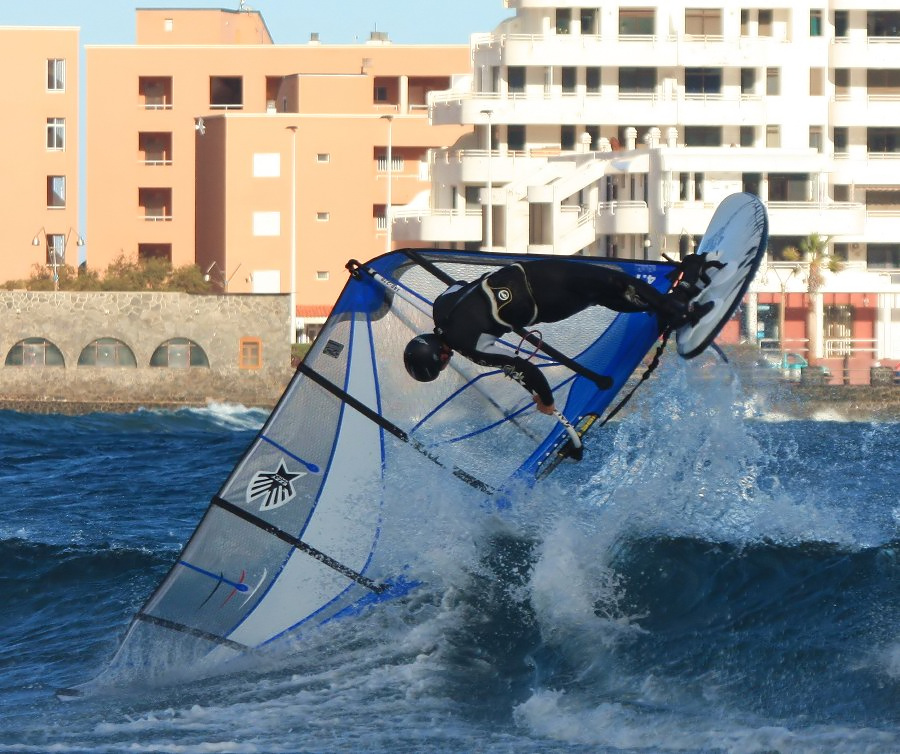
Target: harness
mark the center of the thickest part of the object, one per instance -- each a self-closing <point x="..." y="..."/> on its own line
<point x="511" y="298"/>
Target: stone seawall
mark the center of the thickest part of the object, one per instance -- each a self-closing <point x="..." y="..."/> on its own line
<point x="243" y="339"/>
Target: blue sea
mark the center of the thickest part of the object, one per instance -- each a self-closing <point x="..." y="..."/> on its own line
<point x="716" y="576"/>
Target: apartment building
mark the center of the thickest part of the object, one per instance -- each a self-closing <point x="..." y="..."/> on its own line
<point x="39" y="190"/>
<point x="615" y="129"/>
<point x="266" y="164"/>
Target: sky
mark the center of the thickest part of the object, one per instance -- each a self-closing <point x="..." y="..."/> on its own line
<point x="289" y="21"/>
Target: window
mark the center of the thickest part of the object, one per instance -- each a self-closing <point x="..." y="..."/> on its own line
<point x="788" y="187"/>
<point x="636" y="21"/>
<point x="56" y="75"/>
<point x="323" y="157"/>
<point x="155" y="148"/>
<point x="515" y="137"/>
<point x="589" y="20"/>
<point x="816" y="138"/>
<point x="380" y="94"/>
<point x="748" y="136"/>
<point x="323" y="217"/>
<point x="156" y="204"/>
<point x="569" y="79"/>
<point x="323" y="275"/>
<point x="179" y="353"/>
<point x="266" y="165"/>
<point x="594" y="133"/>
<point x="155" y="92"/>
<point x="703" y="80"/>
<point x="592" y="79"/>
<point x="841" y="23"/>
<point x="266" y="224"/>
<point x="750" y="182"/>
<point x="637" y="80"/>
<point x="250" y="353"/>
<point x="516" y="76"/>
<point x="816" y="82"/>
<point x="563" y="20"/>
<point x="56" y="191"/>
<point x="748" y="80"/>
<point x="226" y="92"/>
<point x="883" y="256"/>
<point x="703" y="22"/>
<point x="35" y="352"/>
<point x="773" y="82"/>
<point x="107" y="352"/>
<point x="841" y="81"/>
<point x="567" y="137"/>
<point x="883" y="140"/>
<point x="765" y="22"/>
<point x="773" y="136"/>
<point x="838" y="321"/>
<point x="56" y="134"/>
<point x="703" y="136"/>
<point x="883" y="23"/>
<point x="56" y="251"/>
<point x="815" y="22"/>
<point x="881" y="81"/>
<point x="155" y="251"/>
<point x="841" y="139"/>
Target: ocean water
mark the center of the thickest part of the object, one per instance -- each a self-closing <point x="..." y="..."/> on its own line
<point x="713" y="577"/>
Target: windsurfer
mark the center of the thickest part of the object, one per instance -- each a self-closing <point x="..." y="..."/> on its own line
<point x="470" y="317"/>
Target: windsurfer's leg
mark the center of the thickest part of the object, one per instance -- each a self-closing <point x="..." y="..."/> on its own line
<point x="563" y="287"/>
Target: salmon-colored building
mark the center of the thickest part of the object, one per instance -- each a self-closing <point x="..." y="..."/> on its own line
<point x="39" y="133"/>
<point x="207" y="142"/>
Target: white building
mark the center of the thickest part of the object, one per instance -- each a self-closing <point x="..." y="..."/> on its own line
<point x="616" y="130"/>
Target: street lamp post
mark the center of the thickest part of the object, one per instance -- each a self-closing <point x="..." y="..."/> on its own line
<point x="293" y="314"/>
<point x="782" y="283"/>
<point x="489" y="231"/>
<point x="390" y="176"/>
<point x="52" y="253"/>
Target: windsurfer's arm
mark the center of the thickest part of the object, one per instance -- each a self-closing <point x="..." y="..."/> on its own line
<point x="522" y="371"/>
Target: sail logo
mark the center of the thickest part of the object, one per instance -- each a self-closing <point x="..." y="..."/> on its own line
<point x="272" y="489"/>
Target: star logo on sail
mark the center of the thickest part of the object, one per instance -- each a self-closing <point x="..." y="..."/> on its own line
<point x="273" y="488"/>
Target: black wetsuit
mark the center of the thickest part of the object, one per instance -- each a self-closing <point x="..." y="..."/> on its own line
<point x="470" y="317"/>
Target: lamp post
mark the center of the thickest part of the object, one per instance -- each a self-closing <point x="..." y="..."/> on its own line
<point x="53" y="255"/>
<point x="293" y="314"/>
<point x="782" y="282"/>
<point x="490" y="183"/>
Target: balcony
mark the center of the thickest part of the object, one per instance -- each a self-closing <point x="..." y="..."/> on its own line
<point x="828" y="219"/>
<point x="436" y="225"/>
<point x="611" y="49"/>
<point x="155" y="148"/>
<point x="155" y="92"/>
<point x="862" y="109"/>
<point x="621" y="218"/>
<point x="857" y="50"/>
<point x="670" y="104"/>
<point x="155" y="204"/>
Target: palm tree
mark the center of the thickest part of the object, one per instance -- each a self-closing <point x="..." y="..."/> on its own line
<point x="814" y="249"/>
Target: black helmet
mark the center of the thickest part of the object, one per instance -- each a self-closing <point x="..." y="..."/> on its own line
<point x="424" y="358"/>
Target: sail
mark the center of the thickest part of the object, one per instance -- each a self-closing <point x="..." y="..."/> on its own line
<point x="291" y="539"/>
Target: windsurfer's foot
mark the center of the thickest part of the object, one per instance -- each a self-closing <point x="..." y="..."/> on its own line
<point x="679" y="313"/>
<point x="692" y="276"/>
<point x="696" y="312"/>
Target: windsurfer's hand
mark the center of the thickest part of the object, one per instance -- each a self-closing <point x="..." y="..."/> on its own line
<point x="543" y="407"/>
